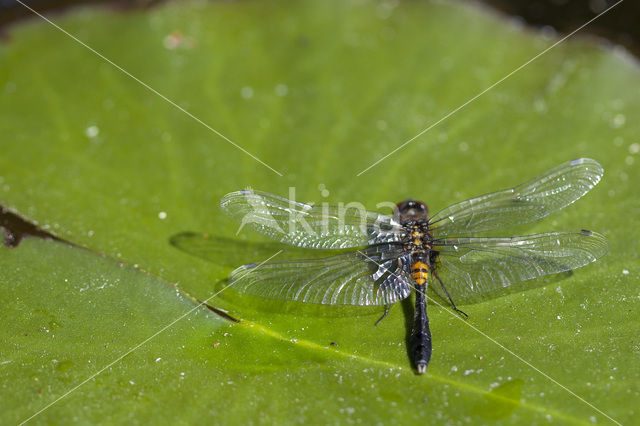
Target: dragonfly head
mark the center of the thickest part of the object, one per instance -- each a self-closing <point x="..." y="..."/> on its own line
<point x="412" y="210"/>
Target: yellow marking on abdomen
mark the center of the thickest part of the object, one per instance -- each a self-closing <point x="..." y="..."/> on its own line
<point x="420" y="272"/>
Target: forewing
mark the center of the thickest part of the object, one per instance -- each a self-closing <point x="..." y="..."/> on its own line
<point x="304" y="225"/>
<point x="373" y="276"/>
<point x="472" y="267"/>
<point x="525" y="203"/>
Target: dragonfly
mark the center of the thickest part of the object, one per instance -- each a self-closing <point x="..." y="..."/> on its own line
<point x="383" y="258"/>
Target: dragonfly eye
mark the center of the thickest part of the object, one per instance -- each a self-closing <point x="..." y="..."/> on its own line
<point x="413" y="209"/>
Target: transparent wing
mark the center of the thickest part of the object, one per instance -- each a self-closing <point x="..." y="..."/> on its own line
<point x="304" y="225"/>
<point x="373" y="276"/>
<point x="472" y="267"/>
<point x="525" y="203"/>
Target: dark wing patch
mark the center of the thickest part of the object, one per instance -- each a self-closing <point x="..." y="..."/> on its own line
<point x="471" y="267"/>
<point x="372" y="276"/>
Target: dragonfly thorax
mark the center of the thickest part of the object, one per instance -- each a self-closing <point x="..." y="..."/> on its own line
<point x="417" y="239"/>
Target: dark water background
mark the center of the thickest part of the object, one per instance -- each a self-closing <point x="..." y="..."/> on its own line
<point x="621" y="25"/>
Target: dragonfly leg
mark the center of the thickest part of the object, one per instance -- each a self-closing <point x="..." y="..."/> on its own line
<point x="386" y="311"/>
<point x="449" y="297"/>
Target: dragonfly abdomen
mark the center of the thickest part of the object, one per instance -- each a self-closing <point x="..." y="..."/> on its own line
<point x="420" y="272"/>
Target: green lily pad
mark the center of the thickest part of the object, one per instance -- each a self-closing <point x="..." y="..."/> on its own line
<point x="319" y="91"/>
